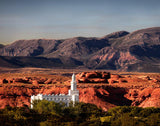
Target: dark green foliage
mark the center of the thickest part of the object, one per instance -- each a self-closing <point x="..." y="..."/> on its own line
<point x="154" y="119"/>
<point x="47" y="107"/>
<point x="47" y="113"/>
<point x="134" y="116"/>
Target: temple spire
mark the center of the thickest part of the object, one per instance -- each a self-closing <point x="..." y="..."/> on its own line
<point x="73" y="77"/>
<point x="73" y="82"/>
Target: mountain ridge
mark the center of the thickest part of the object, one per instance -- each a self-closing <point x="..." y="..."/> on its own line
<point x="135" y="51"/>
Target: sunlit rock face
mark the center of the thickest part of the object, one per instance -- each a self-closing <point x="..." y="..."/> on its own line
<point x="148" y="97"/>
<point x="118" y="90"/>
<point x="102" y="97"/>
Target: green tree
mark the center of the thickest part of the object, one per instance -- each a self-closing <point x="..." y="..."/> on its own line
<point x="48" y="107"/>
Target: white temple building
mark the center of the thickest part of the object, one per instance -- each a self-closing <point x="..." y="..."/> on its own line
<point x="73" y="95"/>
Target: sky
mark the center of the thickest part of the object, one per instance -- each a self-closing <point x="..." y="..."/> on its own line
<point x="59" y="19"/>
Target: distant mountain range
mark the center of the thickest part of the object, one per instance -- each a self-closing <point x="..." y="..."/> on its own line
<point x="124" y="51"/>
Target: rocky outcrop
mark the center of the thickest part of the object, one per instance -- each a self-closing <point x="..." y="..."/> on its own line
<point x="93" y="77"/>
<point x="148" y="97"/>
<point x="28" y="80"/>
<point x="99" y="77"/>
<point x="96" y="96"/>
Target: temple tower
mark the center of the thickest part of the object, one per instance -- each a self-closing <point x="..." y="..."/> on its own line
<point x="73" y="83"/>
<point x="73" y="92"/>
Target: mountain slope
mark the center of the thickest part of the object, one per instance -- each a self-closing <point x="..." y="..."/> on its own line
<point x="33" y="47"/>
<point x="7" y="61"/>
<point x="136" y="51"/>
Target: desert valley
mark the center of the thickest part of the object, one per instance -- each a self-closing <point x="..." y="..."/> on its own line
<point x="79" y="63"/>
<point x="119" y="69"/>
<point x="106" y="69"/>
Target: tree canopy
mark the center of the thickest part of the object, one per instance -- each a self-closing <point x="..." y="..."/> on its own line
<point x="83" y="114"/>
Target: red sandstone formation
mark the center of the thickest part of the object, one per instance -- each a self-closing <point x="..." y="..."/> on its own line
<point x="99" y="77"/>
<point x="20" y="80"/>
<point x="35" y="83"/>
<point x="148" y="97"/>
<point x="3" y="81"/>
<point x="111" y="81"/>
<point x="95" y="96"/>
<point x="84" y="77"/>
<point x="93" y="77"/>
<point x="115" y="77"/>
<point x="105" y="96"/>
<point x="28" y="80"/>
<point x="48" y="81"/>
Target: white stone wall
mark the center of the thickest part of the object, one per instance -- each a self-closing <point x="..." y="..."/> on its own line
<point x="56" y="98"/>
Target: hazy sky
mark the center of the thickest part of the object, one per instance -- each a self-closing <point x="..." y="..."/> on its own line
<point x="54" y="19"/>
